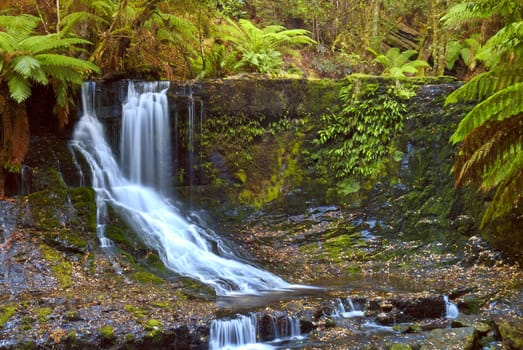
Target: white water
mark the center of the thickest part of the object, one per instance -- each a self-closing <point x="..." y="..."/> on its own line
<point x="451" y="310"/>
<point x="341" y="311"/>
<point x="242" y="332"/>
<point x="183" y="246"/>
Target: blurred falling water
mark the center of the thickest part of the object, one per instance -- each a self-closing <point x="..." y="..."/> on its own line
<point x="183" y="246"/>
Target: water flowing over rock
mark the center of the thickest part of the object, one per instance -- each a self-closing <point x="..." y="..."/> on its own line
<point x="183" y="246"/>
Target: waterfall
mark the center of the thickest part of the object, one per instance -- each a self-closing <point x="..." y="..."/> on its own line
<point x="243" y="332"/>
<point x="451" y="310"/>
<point x="145" y="144"/>
<point x="232" y="333"/>
<point x="341" y="312"/>
<point x="184" y="247"/>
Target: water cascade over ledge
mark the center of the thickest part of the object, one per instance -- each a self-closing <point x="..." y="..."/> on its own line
<point x="184" y="247"/>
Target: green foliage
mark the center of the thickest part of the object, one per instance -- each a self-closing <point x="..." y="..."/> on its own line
<point x="355" y="141"/>
<point x="399" y="64"/>
<point x="469" y="11"/>
<point x="464" y="50"/>
<point x="491" y="134"/>
<point x="27" y="59"/>
<point x="260" y="50"/>
<point x="232" y="8"/>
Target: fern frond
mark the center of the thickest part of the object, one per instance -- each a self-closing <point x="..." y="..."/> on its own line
<point x="51" y="42"/>
<point x="49" y="59"/>
<point x="69" y="21"/>
<point x="57" y="73"/>
<point x="486" y="84"/>
<point x="19" y="88"/>
<point x="508" y="194"/>
<point x="465" y="12"/>
<point x="104" y="7"/>
<point x="505" y="42"/>
<point x="7" y="42"/>
<point x="488" y="146"/>
<point x="503" y="169"/>
<point x="503" y="104"/>
<point x="19" y="27"/>
<point x="29" y="68"/>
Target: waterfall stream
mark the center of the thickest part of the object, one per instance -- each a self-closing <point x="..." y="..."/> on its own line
<point x="184" y="247"/>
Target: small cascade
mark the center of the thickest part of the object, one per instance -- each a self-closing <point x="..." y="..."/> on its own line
<point x="341" y="312"/>
<point x="284" y="327"/>
<point x="184" y="246"/>
<point x="248" y="332"/>
<point x="233" y="333"/>
<point x="451" y="310"/>
<point x="25" y="180"/>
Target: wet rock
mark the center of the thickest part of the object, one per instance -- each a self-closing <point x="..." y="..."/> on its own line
<point x="478" y="251"/>
<point x="511" y="331"/>
<point x="419" y="308"/>
<point x="451" y="339"/>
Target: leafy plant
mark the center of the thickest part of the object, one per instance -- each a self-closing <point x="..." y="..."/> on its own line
<point x="399" y="64"/>
<point x="355" y="141"/>
<point x="260" y="50"/>
<point x="491" y="134"/>
<point x="464" y="50"/>
<point x="27" y="59"/>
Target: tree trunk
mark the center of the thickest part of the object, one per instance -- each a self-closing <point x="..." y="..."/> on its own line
<point x="14" y="136"/>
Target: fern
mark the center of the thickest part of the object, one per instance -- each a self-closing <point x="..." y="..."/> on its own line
<point x="484" y="147"/>
<point x="486" y="84"/>
<point x="503" y="104"/>
<point x="506" y="42"/>
<point x="19" y="27"/>
<point x="491" y="134"/>
<point x="19" y="88"/>
<point x="508" y="193"/>
<point x="69" y="21"/>
<point x="51" y="42"/>
<point x="260" y="50"/>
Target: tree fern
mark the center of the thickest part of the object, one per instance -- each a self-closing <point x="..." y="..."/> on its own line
<point x="502" y="104"/>
<point x="491" y="134"/>
<point x="260" y="50"/>
<point x="19" y="27"/>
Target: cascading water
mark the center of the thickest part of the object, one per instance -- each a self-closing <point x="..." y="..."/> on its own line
<point x="243" y="332"/>
<point x="451" y="310"/>
<point x="183" y="246"/>
<point x="342" y="312"/>
<point x="145" y="144"/>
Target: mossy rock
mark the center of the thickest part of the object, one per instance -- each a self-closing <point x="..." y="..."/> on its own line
<point x="62" y="268"/>
<point x="6" y="312"/>
<point x="512" y="333"/>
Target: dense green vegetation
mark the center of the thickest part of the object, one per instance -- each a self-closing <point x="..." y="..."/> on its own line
<point x="60" y="43"/>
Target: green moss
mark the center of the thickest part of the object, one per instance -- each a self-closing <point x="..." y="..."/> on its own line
<point x="344" y="247"/>
<point x="512" y="334"/>
<point x="48" y="206"/>
<point x="153" y="327"/>
<point x="129" y="338"/>
<point x="5" y="314"/>
<point x="43" y="313"/>
<point x="399" y="346"/>
<point x="138" y="312"/>
<point x="107" y="332"/>
<point x="83" y="200"/>
<point x="26" y="323"/>
<point x="61" y="268"/>
<point x="146" y="277"/>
